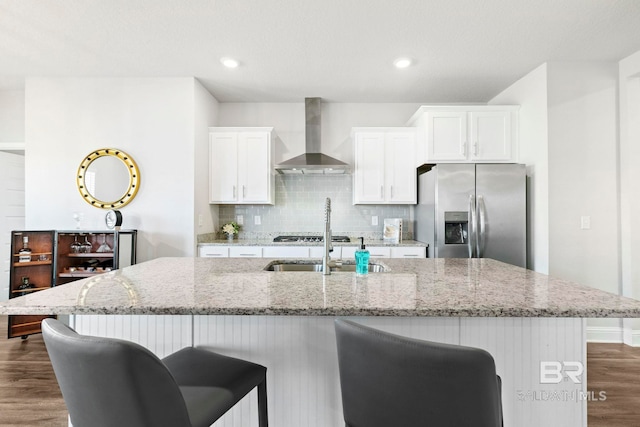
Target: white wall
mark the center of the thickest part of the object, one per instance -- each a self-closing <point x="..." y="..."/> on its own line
<point x="206" y="216"/>
<point x="530" y="93"/>
<point x="583" y="173"/>
<point x="11" y="116"/>
<point x="629" y="90"/>
<point x="152" y="119"/>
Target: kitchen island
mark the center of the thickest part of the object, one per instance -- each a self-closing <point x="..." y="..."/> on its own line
<point x="284" y="320"/>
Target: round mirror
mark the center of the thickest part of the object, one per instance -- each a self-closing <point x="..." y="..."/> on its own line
<point x="108" y="178"/>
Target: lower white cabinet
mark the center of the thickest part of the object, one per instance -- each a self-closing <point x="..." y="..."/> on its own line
<point x="408" y="252"/>
<point x="245" y="251"/>
<point x="348" y="252"/>
<point x="213" y="252"/>
<point x="303" y="252"/>
<point x="285" y="252"/>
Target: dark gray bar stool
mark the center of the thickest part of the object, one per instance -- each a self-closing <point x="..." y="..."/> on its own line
<point x="108" y="382"/>
<point x="389" y="380"/>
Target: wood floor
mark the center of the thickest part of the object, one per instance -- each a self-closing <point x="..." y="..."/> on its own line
<point x="615" y="370"/>
<point x="29" y="393"/>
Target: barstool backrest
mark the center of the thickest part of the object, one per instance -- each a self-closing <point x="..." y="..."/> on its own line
<point x="109" y="382"/>
<point x="390" y="380"/>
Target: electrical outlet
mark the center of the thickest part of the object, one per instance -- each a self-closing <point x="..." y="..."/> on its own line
<point x="256" y="220"/>
<point x="240" y="219"/>
<point x="200" y="220"/>
<point x="585" y="222"/>
<point x="374" y="219"/>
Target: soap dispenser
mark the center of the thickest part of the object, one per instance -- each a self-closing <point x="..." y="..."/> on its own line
<point x="362" y="258"/>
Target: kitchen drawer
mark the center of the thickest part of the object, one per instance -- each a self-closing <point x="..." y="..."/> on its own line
<point x="245" y="252"/>
<point x="379" y="251"/>
<point x="285" y="252"/>
<point x="213" y="251"/>
<point x="348" y="252"/>
<point x="318" y="252"/>
<point x="408" y="252"/>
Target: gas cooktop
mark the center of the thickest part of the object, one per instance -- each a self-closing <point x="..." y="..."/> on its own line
<point x="289" y="239"/>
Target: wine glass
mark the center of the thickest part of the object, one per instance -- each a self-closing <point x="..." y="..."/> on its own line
<point x="86" y="246"/>
<point x="76" y="246"/>
<point x="77" y="216"/>
<point x="104" y="247"/>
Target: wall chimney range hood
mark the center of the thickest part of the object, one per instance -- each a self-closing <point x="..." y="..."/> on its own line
<point x="312" y="162"/>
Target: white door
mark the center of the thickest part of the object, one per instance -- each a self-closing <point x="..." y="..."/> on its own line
<point x="11" y="211"/>
<point x="254" y="167"/>
<point x="401" y="167"/>
<point x="447" y="136"/>
<point x="369" y="171"/>
<point x="490" y="136"/>
<point x="223" y="167"/>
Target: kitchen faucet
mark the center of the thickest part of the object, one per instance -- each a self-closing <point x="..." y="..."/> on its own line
<point x="327" y="240"/>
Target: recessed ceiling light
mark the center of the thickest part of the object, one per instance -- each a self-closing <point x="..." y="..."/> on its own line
<point x="402" y="62"/>
<point x="229" y="62"/>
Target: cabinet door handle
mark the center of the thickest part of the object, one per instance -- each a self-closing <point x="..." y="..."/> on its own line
<point x="409" y="255"/>
<point x="244" y="191"/>
<point x="475" y="148"/>
<point x="234" y="191"/>
<point x="382" y="191"/>
<point x="463" y="148"/>
<point x="392" y="192"/>
<point x="212" y="255"/>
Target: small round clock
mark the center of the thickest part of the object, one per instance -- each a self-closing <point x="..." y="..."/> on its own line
<point x="113" y="219"/>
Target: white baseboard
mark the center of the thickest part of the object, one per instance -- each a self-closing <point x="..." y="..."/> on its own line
<point x="607" y="334"/>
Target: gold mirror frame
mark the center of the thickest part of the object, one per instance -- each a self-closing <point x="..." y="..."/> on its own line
<point x="134" y="178"/>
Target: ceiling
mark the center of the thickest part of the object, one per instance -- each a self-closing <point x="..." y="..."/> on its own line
<point x="340" y="50"/>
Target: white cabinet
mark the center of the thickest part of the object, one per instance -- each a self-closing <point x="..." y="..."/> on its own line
<point x="240" y="166"/>
<point x="408" y="252"/>
<point x="245" y="251"/>
<point x="213" y="251"/>
<point x="304" y="252"/>
<point x="385" y="166"/>
<point x="285" y="252"/>
<point x="348" y="252"/>
<point x="466" y="133"/>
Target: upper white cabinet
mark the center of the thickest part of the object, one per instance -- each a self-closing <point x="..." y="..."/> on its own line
<point x="385" y="166"/>
<point x="475" y="134"/>
<point x="240" y="165"/>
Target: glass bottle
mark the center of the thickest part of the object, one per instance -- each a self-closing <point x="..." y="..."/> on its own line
<point x="24" y="254"/>
<point x="362" y="258"/>
<point x="75" y="246"/>
<point x="24" y="285"/>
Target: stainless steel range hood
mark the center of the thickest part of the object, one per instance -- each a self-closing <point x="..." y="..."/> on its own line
<point x="313" y="162"/>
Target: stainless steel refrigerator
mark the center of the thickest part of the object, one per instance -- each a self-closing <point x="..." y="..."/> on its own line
<point x="473" y="211"/>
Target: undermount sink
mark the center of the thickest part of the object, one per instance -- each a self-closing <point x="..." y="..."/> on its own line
<point x="295" y="266"/>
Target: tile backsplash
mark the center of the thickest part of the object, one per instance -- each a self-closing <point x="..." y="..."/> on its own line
<point x="299" y="208"/>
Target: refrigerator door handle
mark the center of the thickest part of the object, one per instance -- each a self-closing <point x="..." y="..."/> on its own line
<point x="472" y="227"/>
<point x="481" y="226"/>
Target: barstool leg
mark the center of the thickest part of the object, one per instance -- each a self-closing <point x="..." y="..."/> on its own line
<point x="262" y="404"/>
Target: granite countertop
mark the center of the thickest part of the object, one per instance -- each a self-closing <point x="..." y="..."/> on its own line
<point x="241" y="286"/>
<point x="270" y="242"/>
